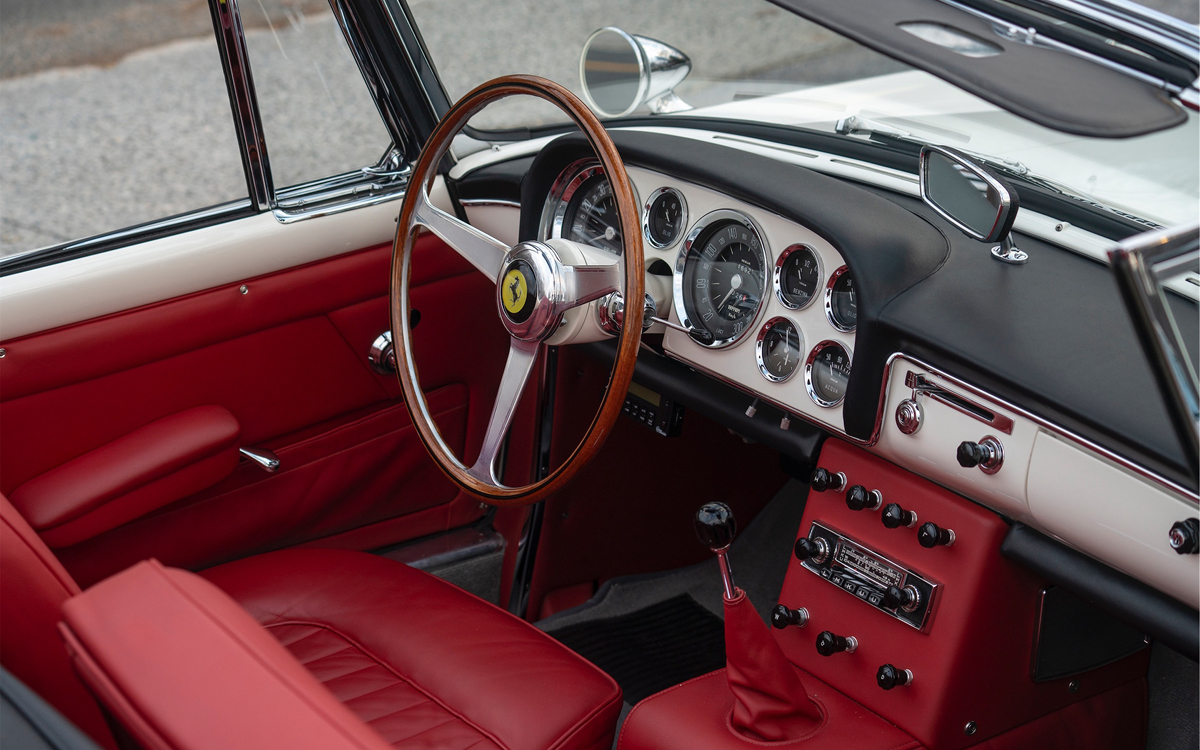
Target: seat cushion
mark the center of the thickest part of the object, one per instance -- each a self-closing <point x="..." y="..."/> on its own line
<point x="423" y="662"/>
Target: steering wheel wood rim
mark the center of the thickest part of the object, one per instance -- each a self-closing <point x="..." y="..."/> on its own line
<point x="416" y="212"/>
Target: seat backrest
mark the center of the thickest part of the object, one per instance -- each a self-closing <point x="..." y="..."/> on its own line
<point x="33" y="587"/>
<point x="182" y="667"/>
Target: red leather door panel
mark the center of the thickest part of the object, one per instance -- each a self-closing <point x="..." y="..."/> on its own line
<point x="288" y="359"/>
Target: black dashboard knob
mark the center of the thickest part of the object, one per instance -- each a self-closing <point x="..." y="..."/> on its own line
<point x="931" y="535"/>
<point x="715" y="526"/>
<point x="1185" y="536"/>
<point x="894" y="516"/>
<point x="823" y="479"/>
<point x="829" y="644"/>
<point x="889" y="677"/>
<point x="782" y="617"/>
<point x="971" y="454"/>
<point x="816" y="549"/>
<point x="860" y="498"/>
<point x="906" y="598"/>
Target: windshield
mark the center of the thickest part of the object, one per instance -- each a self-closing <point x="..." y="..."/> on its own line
<point x="752" y="60"/>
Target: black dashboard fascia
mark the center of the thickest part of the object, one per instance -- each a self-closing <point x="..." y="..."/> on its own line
<point x="1052" y="337"/>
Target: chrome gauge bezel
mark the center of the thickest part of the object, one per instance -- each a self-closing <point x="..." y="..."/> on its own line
<point x="683" y="219"/>
<point x="833" y="278"/>
<point x="706" y="221"/>
<point x="788" y="252"/>
<point x="808" y="368"/>
<point x="554" y="212"/>
<point x="758" y="348"/>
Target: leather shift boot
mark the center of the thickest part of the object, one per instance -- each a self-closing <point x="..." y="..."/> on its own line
<point x="770" y="703"/>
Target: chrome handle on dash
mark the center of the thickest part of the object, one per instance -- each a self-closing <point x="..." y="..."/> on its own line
<point x="699" y="335"/>
<point x="263" y="457"/>
<point x="922" y="386"/>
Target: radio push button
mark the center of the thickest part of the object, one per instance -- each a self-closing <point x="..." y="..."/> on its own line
<point x="894" y="517"/>
<point x="829" y="644"/>
<point x="860" y="498"/>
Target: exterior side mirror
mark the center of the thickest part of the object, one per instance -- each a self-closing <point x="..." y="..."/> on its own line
<point x="972" y="197"/>
<point x="620" y="72"/>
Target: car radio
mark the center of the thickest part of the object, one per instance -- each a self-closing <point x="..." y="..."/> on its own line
<point x="867" y="575"/>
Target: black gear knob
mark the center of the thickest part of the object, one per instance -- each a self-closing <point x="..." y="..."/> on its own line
<point x="715" y="526"/>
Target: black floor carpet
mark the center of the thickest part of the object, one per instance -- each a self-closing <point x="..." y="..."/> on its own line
<point x="651" y="649"/>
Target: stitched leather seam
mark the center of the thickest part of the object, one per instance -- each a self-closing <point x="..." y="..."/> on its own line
<point x="343" y="675"/>
<point x="367" y="652"/>
<point x="310" y="633"/>
<point x="426" y="730"/>
<point x="249" y="650"/>
<point x="421" y="702"/>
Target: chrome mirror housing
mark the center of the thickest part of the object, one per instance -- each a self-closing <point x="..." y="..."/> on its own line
<point x="972" y="197"/>
<point x="620" y="72"/>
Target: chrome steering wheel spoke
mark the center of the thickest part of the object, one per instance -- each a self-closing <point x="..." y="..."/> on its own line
<point x="521" y="357"/>
<point x="582" y="284"/>
<point x="482" y="250"/>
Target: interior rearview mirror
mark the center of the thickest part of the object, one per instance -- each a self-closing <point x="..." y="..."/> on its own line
<point x="972" y="197"/>
<point x="620" y="72"/>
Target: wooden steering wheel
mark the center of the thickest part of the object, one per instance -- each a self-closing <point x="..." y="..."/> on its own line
<point x="534" y="287"/>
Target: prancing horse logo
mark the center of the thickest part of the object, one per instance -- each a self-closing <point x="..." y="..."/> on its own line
<point x="515" y="291"/>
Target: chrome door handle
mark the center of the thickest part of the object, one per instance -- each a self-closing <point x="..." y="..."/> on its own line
<point x="263" y="457"/>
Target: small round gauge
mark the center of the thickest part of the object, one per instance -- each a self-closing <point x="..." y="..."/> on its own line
<point x="664" y="217"/>
<point x="827" y="373"/>
<point x="841" y="300"/>
<point x="780" y="344"/>
<point x="721" y="276"/>
<point x="797" y="276"/>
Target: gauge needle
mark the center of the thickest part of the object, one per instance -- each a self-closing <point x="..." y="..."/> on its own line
<point x="734" y="283"/>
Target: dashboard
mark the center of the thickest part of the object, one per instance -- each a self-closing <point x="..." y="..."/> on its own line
<point x="841" y="307"/>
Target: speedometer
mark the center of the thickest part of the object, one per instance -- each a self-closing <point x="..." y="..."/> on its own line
<point x="721" y="276"/>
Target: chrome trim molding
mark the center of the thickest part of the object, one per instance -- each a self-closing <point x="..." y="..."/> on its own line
<point x="683" y="216"/>
<point x="239" y="83"/>
<point x="489" y="202"/>
<point x="721" y="214"/>
<point x="787" y="253"/>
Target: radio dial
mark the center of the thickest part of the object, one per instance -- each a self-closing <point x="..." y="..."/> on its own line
<point x="815" y="549"/>
<point x="907" y="598"/>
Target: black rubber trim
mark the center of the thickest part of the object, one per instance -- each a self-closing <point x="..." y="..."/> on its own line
<point x="719" y="402"/>
<point x="1171" y="622"/>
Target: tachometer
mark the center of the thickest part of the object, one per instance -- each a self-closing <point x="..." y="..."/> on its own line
<point x="827" y="373"/>
<point x="797" y="276"/>
<point x="841" y="300"/>
<point x="721" y="276"/>
<point x="778" y="350"/>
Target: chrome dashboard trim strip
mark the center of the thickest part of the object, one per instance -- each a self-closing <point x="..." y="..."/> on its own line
<point x="489" y="202"/>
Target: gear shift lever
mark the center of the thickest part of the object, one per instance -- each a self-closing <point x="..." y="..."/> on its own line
<point x="770" y="702"/>
<point x="716" y="527"/>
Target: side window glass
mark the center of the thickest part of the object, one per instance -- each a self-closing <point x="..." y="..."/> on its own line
<point x="318" y="116"/>
<point x="111" y="115"/>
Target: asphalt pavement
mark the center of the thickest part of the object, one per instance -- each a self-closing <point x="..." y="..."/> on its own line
<point x="114" y="112"/>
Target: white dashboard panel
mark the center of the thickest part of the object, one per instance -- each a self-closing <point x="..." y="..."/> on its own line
<point x="737" y="363"/>
<point x="1112" y="515"/>
<point x="931" y="451"/>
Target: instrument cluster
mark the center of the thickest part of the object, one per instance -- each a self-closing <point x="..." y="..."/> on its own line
<point x="779" y="323"/>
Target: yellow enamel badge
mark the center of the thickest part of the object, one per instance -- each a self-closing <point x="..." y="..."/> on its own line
<point x="515" y="291"/>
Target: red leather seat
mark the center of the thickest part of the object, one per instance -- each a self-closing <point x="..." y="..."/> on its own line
<point x="422" y="662"/>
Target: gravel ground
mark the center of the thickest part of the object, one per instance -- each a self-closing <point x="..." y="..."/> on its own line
<point x="114" y="112"/>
